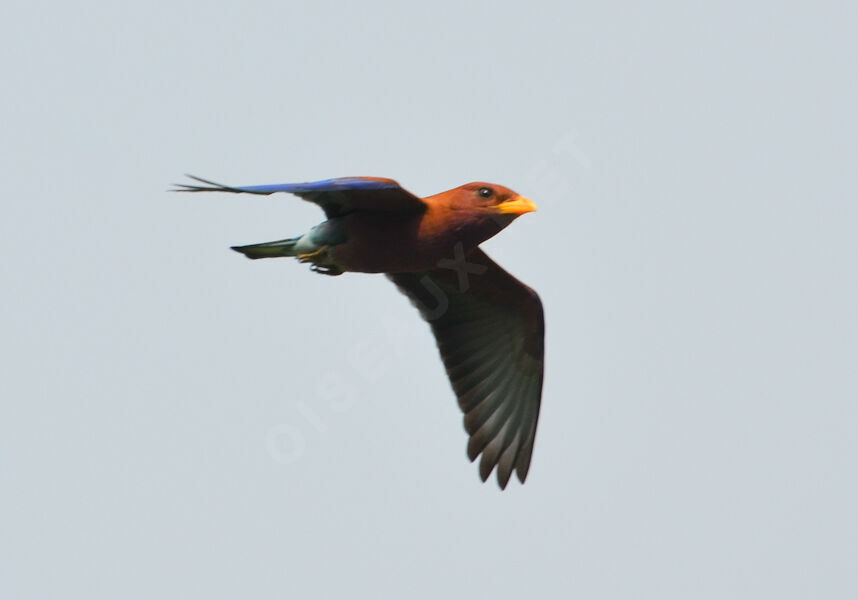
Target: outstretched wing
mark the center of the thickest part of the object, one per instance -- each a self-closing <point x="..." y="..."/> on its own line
<point x="336" y="196"/>
<point x="489" y="328"/>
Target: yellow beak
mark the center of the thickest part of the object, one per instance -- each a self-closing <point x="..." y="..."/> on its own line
<point x="517" y="206"/>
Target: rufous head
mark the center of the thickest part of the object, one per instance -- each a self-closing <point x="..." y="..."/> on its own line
<point x="490" y="199"/>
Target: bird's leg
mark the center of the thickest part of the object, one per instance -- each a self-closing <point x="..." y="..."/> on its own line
<point x="311" y="256"/>
<point x="316" y="257"/>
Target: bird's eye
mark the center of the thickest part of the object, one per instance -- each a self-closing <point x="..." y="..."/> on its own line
<point x="485" y="192"/>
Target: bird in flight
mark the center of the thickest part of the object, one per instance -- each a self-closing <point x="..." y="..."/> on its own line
<point x="489" y="326"/>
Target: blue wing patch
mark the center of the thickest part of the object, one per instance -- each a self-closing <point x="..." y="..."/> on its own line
<point x="335" y="196"/>
<point x="339" y="184"/>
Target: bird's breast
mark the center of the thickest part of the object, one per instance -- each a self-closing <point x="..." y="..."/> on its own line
<point x="384" y="243"/>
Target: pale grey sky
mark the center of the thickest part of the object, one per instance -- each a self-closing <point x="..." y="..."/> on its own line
<point x="179" y="422"/>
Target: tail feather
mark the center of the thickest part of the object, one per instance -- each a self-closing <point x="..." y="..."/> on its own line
<point x="269" y="249"/>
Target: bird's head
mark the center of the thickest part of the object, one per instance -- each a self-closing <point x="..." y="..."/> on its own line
<point x="481" y="208"/>
<point x="488" y="200"/>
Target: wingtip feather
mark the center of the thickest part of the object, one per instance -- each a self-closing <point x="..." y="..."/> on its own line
<point x="486" y="468"/>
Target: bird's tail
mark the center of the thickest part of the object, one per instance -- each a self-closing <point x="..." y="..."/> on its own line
<point x="270" y="249"/>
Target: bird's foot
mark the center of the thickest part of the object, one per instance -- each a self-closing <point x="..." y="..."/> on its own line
<point x="326" y="270"/>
